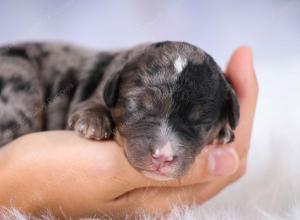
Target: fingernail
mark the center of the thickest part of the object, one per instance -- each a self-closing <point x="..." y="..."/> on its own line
<point x="222" y="161"/>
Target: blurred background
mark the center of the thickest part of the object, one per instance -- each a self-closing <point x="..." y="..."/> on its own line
<point x="270" y="27"/>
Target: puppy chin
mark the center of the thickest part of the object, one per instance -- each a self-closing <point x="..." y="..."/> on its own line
<point x="157" y="176"/>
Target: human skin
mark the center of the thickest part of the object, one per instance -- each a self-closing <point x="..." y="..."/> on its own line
<point x="75" y="177"/>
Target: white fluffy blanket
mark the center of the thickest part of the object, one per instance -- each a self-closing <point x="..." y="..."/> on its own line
<point x="271" y="188"/>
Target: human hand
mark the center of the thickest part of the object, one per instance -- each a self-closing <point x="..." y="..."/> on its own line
<point x="76" y="177"/>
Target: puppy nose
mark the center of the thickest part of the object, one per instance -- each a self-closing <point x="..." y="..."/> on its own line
<point x="163" y="156"/>
<point x="161" y="160"/>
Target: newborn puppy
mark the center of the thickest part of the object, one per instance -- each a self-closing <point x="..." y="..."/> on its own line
<point x="162" y="102"/>
<point x="165" y="103"/>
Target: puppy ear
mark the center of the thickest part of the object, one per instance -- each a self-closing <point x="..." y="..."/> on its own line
<point x="232" y="108"/>
<point x="111" y="91"/>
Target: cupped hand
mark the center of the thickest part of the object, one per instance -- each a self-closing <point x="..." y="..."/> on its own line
<point x="75" y="177"/>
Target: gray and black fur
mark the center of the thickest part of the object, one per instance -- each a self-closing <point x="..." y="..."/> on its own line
<point x="143" y="96"/>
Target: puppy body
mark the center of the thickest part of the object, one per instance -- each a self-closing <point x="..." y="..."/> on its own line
<point x="162" y="102"/>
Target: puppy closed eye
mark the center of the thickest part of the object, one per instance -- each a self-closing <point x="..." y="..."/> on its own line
<point x="140" y="99"/>
<point x="199" y="119"/>
<point x="146" y="100"/>
<point x="138" y="105"/>
<point x="196" y="114"/>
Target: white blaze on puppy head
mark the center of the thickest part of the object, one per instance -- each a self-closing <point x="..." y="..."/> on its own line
<point x="180" y="64"/>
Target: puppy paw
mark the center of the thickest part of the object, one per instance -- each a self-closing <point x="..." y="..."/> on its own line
<point x="93" y="123"/>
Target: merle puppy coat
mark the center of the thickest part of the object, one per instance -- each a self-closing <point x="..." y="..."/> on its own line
<point x="162" y="102"/>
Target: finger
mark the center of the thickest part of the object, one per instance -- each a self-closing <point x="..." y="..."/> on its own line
<point x="240" y="73"/>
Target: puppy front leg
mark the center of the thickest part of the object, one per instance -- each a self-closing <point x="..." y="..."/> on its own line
<point x="91" y="120"/>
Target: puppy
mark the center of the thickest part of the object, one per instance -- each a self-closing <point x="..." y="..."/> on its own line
<point x="162" y="102"/>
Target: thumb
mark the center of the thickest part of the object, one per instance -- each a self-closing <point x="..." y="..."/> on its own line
<point x="222" y="161"/>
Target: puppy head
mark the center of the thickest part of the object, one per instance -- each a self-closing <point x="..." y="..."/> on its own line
<point x="167" y="103"/>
